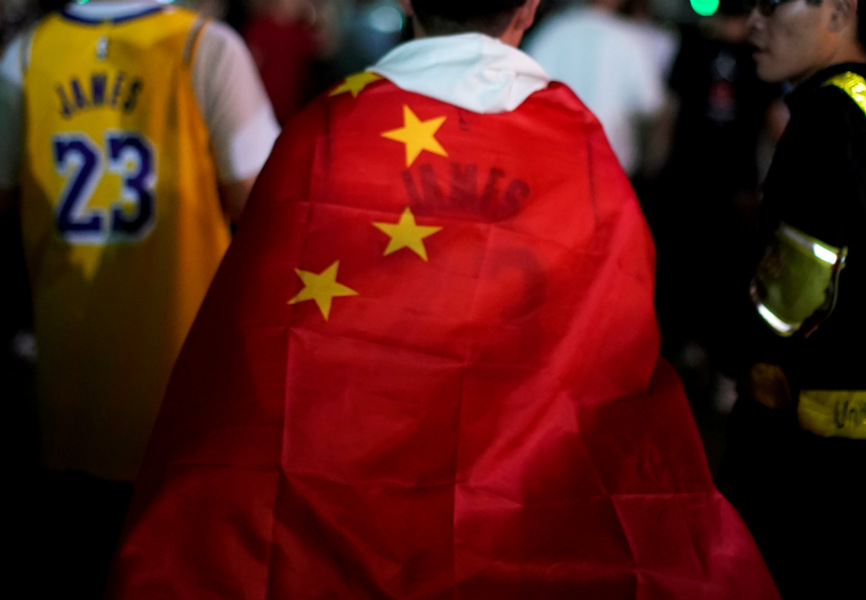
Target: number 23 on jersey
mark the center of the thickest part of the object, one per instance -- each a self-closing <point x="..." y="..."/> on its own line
<point x="129" y="218"/>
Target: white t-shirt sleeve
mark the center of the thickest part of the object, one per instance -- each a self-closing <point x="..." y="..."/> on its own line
<point x="11" y="112"/>
<point x="234" y="104"/>
<point x="648" y="89"/>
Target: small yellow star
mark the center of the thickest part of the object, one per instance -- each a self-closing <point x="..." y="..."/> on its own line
<point x="356" y="83"/>
<point x="322" y="288"/>
<point x="407" y="234"/>
<point x="417" y="135"/>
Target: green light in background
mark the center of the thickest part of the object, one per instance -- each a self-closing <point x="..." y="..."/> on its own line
<point x="705" y="8"/>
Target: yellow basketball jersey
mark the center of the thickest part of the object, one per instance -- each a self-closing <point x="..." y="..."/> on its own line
<point x="122" y="226"/>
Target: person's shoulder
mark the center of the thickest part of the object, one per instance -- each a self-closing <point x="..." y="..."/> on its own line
<point x="10" y="57"/>
<point x="220" y="32"/>
<point x="559" y="94"/>
<point x="219" y="45"/>
<point x="844" y="89"/>
<point x="556" y="19"/>
<point x="831" y="107"/>
<point x="825" y="136"/>
<point x="15" y="56"/>
<point x="556" y="27"/>
<point x="359" y="91"/>
<point x="558" y="102"/>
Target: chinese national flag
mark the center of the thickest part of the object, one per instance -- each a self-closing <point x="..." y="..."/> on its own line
<point x="429" y="368"/>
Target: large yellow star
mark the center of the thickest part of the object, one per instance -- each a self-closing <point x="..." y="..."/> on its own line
<point x="356" y="83"/>
<point x="322" y="288"/>
<point x="407" y="234"/>
<point x="417" y="135"/>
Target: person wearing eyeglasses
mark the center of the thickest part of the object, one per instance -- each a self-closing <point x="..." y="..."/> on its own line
<point x="797" y="435"/>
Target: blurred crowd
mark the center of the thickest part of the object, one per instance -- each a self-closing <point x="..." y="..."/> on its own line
<point x="677" y="95"/>
<point x="689" y="124"/>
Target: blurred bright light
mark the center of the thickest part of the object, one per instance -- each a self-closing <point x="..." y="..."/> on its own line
<point x="386" y="19"/>
<point x="828" y="256"/>
<point x="705" y="8"/>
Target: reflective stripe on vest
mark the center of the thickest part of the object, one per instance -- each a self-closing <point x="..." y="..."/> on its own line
<point x="833" y="413"/>
<point x="852" y="84"/>
<point x="796" y="279"/>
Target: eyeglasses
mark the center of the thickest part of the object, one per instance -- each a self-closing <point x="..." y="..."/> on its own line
<point x="765" y="7"/>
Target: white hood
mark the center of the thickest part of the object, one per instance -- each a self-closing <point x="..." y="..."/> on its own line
<point x="470" y="70"/>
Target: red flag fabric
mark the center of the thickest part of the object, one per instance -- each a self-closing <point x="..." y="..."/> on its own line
<point x="428" y="367"/>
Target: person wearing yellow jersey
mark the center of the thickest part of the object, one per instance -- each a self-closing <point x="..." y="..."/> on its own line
<point x="132" y="133"/>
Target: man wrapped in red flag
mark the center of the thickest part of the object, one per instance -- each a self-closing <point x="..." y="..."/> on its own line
<point x="428" y="366"/>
